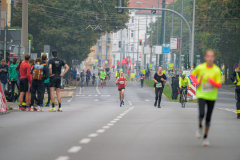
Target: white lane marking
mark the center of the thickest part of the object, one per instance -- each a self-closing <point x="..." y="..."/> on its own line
<point x="119" y="117"/>
<point x="85" y="141"/>
<point x="147" y="100"/>
<point x="96" y="100"/>
<point x="110" y="124"/>
<point x="80" y="91"/>
<point x="93" y="135"/>
<point x="116" y="119"/>
<point x="113" y="121"/>
<point x="105" y="95"/>
<point x="97" y="88"/>
<point x="96" y="95"/>
<point x="130" y="103"/>
<point x="74" y="149"/>
<point x="100" y="131"/>
<point x="106" y="127"/>
<point x="122" y="114"/>
<point x="80" y="95"/>
<point x="89" y="95"/>
<point x="63" y="158"/>
<point x="69" y="100"/>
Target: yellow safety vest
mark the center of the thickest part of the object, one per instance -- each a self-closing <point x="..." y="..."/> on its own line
<point x="237" y="82"/>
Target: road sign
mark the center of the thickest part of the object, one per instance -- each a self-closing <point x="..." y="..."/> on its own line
<point x="106" y="62"/>
<point x="174" y="44"/>
<point x="103" y="61"/>
<point x="157" y="49"/>
<point x="46" y="48"/>
<point x="16" y="51"/>
<point x="166" y="48"/>
<point x="170" y="66"/>
<point x="34" y="56"/>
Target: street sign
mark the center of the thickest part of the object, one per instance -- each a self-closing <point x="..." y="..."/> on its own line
<point x="18" y="52"/>
<point x="157" y="49"/>
<point x="174" y="44"/>
<point x="34" y="56"/>
<point x="166" y="48"/>
<point x="146" y="50"/>
<point x="46" y="48"/>
<point x="103" y="61"/>
<point x="47" y="54"/>
<point x="106" y="62"/>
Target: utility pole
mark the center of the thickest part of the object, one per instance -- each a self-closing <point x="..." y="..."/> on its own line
<point x="24" y="39"/>
<point x="157" y="34"/>
<point x="121" y="52"/>
<point x="0" y="16"/>
<point x="193" y="34"/>
<point x="181" y="40"/>
<point x="162" y="31"/>
<point x="137" y="48"/>
<point x="5" y="36"/>
<point x="151" y="42"/>
<point x="171" y="56"/>
<point x="29" y="48"/>
<point x="106" y="44"/>
<point x="145" y="44"/>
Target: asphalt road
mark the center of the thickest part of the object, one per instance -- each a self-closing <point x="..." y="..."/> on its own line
<point x="92" y="126"/>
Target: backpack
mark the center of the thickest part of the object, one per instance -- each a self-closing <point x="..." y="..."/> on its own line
<point x="38" y="71"/>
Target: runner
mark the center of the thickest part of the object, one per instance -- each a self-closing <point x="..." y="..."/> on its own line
<point x="142" y="76"/>
<point x="208" y="83"/>
<point x="159" y="79"/>
<point x="184" y="83"/>
<point x="55" y="66"/>
<point x="102" y="76"/>
<point x="235" y="77"/>
<point x="122" y="82"/>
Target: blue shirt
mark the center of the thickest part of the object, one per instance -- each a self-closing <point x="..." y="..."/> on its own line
<point x="74" y="73"/>
<point x="4" y="75"/>
<point x="142" y="76"/>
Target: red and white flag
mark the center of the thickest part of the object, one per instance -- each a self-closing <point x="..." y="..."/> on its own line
<point x="3" y="102"/>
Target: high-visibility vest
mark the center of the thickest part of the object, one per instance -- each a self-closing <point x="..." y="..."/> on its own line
<point x="237" y="82"/>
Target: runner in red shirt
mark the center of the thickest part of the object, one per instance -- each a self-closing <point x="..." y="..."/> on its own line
<point x="122" y="82"/>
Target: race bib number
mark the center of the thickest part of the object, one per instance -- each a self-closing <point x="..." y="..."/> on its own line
<point x="207" y="87"/>
<point x="159" y="85"/>
<point x="121" y="82"/>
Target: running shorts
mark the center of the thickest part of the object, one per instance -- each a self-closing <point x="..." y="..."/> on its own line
<point x="55" y="81"/>
<point x="120" y="89"/>
<point x="24" y="85"/>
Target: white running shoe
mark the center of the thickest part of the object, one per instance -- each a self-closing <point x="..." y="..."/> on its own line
<point x="206" y="142"/>
<point x="199" y="133"/>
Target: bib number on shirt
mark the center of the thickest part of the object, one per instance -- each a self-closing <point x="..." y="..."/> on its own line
<point x="159" y="85"/>
<point x="207" y="87"/>
<point x="121" y="82"/>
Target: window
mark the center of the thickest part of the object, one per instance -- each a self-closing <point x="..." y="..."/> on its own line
<point x="127" y="33"/>
<point x="115" y="35"/>
<point x="132" y="47"/>
<point x="132" y="32"/>
<point x="132" y="19"/>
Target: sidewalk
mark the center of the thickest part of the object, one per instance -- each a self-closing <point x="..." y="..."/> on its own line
<point x="65" y="94"/>
<point x="227" y="88"/>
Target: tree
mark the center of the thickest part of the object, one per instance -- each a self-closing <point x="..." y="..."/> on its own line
<point x="64" y="25"/>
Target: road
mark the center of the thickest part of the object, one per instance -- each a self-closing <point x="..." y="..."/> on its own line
<point x="92" y="126"/>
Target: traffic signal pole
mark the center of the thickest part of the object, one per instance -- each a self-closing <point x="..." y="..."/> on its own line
<point x="5" y="36"/>
<point x="137" y="49"/>
<point x="180" y="54"/>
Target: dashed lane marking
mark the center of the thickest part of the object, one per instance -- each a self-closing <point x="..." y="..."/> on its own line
<point x="100" y="131"/>
<point x="113" y="121"/>
<point x="106" y="127"/>
<point x="69" y="100"/>
<point x="63" y="158"/>
<point x="85" y="141"/>
<point x="228" y="109"/>
<point x="80" y="95"/>
<point x="93" y="135"/>
<point x="105" y="95"/>
<point x="110" y="124"/>
<point x="74" y="149"/>
<point x="96" y="100"/>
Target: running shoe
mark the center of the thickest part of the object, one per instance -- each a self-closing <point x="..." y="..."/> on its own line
<point x="199" y="133"/>
<point x="22" y="108"/>
<point x="155" y="104"/>
<point x="47" y="105"/>
<point x="238" y="117"/>
<point x="28" y="108"/>
<point x="206" y="142"/>
<point x="33" y="109"/>
<point x="52" y="110"/>
<point x="59" y="109"/>
<point x="122" y="102"/>
<point x="159" y="106"/>
<point x="39" y="109"/>
<point x="24" y="103"/>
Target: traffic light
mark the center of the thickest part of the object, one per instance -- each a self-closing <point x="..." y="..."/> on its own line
<point x="140" y="42"/>
<point x="120" y="3"/>
<point x="153" y="11"/>
<point x="7" y="56"/>
<point x="120" y="44"/>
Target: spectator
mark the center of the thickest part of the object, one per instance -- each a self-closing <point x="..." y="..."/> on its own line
<point x="82" y="75"/>
<point x="39" y="73"/>
<point x="3" y="74"/>
<point x="25" y="82"/>
<point x="13" y="77"/>
<point x="74" y="74"/>
<point x="175" y="87"/>
<point x="18" y="75"/>
<point x="46" y="83"/>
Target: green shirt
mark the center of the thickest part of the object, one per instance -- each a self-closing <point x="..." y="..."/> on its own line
<point x="102" y="75"/>
<point x="184" y="82"/>
<point x="206" y="90"/>
<point x="12" y="72"/>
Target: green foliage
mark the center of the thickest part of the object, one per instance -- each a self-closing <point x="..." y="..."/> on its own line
<point x="64" y="25"/>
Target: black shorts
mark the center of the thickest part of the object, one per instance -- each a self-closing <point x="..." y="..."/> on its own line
<point x="55" y="81"/>
<point x="24" y="85"/>
<point x="181" y="90"/>
<point x="120" y="89"/>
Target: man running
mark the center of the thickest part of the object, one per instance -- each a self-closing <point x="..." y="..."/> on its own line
<point x="102" y="77"/>
<point x="208" y="83"/>
<point x="122" y="82"/>
<point x="142" y="76"/>
<point x="184" y="84"/>
<point x="55" y="66"/>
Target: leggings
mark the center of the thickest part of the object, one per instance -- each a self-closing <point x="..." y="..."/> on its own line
<point x="142" y="80"/>
<point x="210" y="106"/>
<point x="158" y="94"/>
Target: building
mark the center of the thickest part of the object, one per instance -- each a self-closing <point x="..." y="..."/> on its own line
<point x="6" y="12"/>
<point x="136" y="31"/>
